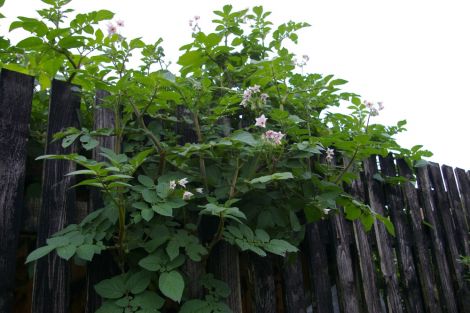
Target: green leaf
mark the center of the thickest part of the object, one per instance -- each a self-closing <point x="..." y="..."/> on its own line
<point x="146" y="181"/>
<point x="148" y="301"/>
<point x="150" y="196"/>
<point x="275" y="176"/>
<point x="147" y="214"/>
<point x="163" y="209"/>
<point x="103" y="15"/>
<point x="245" y="137"/>
<point x="29" y="43"/>
<point x="70" y="42"/>
<point x="112" y="288"/>
<point x="39" y="253"/>
<point x="138" y="282"/>
<point x="151" y="263"/>
<point x="86" y="252"/>
<point x="171" y="285"/>
<point x="66" y="252"/>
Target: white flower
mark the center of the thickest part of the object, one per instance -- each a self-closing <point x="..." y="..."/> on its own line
<point x="172" y="184"/>
<point x="112" y="29"/>
<point x="369" y="104"/>
<point x="329" y="155"/>
<point x="199" y="190"/>
<point x="264" y="97"/>
<point x="255" y="88"/>
<point x="261" y="121"/>
<point x="120" y="23"/>
<point x="187" y="195"/>
<point x="306" y="58"/>
<point x="197" y="17"/>
<point x="182" y="182"/>
<point x="381" y="105"/>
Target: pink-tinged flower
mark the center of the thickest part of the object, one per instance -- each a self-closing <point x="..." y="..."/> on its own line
<point x="187" y="195"/>
<point x="381" y="105"/>
<point x="120" y="23"/>
<point x="273" y="136"/>
<point x="255" y="88"/>
<point x="264" y="97"/>
<point x="197" y="17"/>
<point x="199" y="190"/>
<point x="182" y="182"/>
<point x="261" y="121"/>
<point x="329" y="155"/>
<point x="172" y="184"/>
<point x="369" y="104"/>
<point x="112" y="29"/>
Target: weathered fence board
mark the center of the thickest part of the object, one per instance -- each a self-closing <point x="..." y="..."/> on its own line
<point x="430" y="208"/>
<point x="318" y="267"/>
<point x="51" y="273"/>
<point x="16" y="91"/>
<point x="384" y="245"/>
<point x="409" y="278"/>
<point x="366" y="262"/>
<point x="103" y="265"/>
<point x="349" y="295"/>
<point x="464" y="188"/>
<point x="424" y="262"/>
<point x="294" y="289"/>
<point x="264" y="286"/>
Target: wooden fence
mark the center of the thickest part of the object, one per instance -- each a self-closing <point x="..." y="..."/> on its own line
<point x="341" y="268"/>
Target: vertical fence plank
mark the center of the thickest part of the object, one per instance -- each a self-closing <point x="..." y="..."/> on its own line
<point x="102" y="266"/>
<point x="51" y="275"/>
<point x="444" y="212"/>
<point x="263" y="277"/>
<point x="409" y="277"/>
<point x="428" y="283"/>
<point x="294" y="290"/>
<point x="437" y="241"/>
<point x="384" y="244"/>
<point x="364" y="251"/>
<point x="349" y="296"/>
<point x="464" y="188"/>
<point x="458" y="211"/>
<point x="16" y="92"/>
<point x="224" y="263"/>
<point x="318" y="267"/>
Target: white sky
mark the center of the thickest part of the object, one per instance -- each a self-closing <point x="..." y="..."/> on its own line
<point x="414" y="55"/>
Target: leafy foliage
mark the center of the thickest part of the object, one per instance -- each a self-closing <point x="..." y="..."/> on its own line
<point x="266" y="151"/>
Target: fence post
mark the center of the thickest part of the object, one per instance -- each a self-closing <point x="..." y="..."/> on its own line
<point x="393" y="197"/>
<point x="294" y="290"/>
<point x="102" y="266"/>
<point x="16" y="92"/>
<point x="464" y="188"/>
<point x="437" y="241"/>
<point x="51" y="274"/>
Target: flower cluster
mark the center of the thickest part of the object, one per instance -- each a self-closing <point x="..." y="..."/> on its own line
<point x="330" y="153"/>
<point x="182" y="182"/>
<point x="374" y="107"/>
<point x="302" y="62"/>
<point x="113" y="28"/>
<point x="274" y="137"/>
<point x="251" y="94"/>
<point x="193" y="23"/>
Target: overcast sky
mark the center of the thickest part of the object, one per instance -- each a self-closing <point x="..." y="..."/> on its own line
<point x="412" y="55"/>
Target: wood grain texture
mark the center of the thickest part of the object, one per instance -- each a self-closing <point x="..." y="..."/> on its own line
<point x="16" y="92"/>
<point x="349" y="295"/>
<point x="464" y="188"/>
<point x="102" y="266"/>
<point x="51" y="275"/>
<point x="404" y="242"/>
<point x="293" y="285"/>
<point x="384" y="244"/>
<point x="437" y="241"/>
<point x="364" y="251"/>
<point x="318" y="265"/>
<point x="424" y="261"/>
<point x="224" y="263"/>
<point x="264" y="285"/>
<point x="454" y="250"/>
